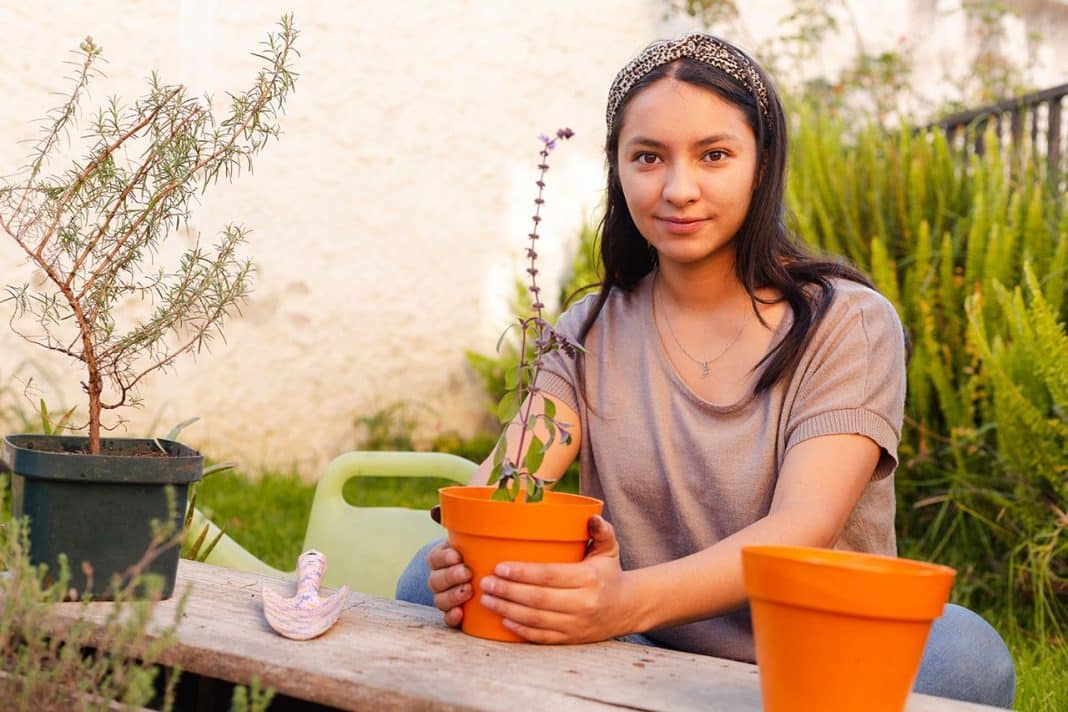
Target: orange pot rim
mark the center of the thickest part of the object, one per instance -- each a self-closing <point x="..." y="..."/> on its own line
<point x="562" y="516"/>
<point x="847" y="582"/>
<point x="855" y="560"/>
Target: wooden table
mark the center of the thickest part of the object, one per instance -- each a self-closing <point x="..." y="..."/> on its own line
<point x="384" y="654"/>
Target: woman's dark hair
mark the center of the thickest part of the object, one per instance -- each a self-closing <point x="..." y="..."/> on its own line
<point x="768" y="254"/>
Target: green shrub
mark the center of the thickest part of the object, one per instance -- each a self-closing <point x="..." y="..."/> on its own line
<point x="949" y="240"/>
<point x="1028" y="399"/>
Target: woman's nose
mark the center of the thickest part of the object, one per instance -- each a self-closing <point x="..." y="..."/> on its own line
<point x="680" y="186"/>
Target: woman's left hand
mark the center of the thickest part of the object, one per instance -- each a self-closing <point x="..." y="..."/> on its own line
<point x="563" y="603"/>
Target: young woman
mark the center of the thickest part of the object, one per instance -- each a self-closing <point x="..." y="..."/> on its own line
<point x="735" y="390"/>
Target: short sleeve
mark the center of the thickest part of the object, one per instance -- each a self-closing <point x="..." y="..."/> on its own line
<point x="559" y="372"/>
<point x="852" y="378"/>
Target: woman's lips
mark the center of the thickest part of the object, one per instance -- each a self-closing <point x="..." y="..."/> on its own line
<point x="682" y="226"/>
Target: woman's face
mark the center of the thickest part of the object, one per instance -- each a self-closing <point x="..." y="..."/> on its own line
<point x="687" y="164"/>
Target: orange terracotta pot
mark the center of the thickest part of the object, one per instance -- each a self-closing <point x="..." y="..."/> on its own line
<point x="486" y="532"/>
<point x="837" y="630"/>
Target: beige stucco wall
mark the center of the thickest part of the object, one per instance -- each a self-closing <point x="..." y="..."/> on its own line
<point x="388" y="223"/>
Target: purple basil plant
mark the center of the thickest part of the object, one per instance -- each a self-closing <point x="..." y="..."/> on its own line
<point x="511" y="469"/>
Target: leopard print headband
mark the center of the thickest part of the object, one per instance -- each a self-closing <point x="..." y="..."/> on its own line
<point x="699" y="46"/>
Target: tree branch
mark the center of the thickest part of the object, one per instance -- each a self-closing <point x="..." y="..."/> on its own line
<point x="170" y="188"/>
<point x="66" y="114"/>
<point x="88" y="171"/>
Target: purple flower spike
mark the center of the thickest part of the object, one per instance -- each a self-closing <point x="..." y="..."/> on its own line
<point x="541" y="339"/>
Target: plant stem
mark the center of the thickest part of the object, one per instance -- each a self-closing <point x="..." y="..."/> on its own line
<point x="525" y="391"/>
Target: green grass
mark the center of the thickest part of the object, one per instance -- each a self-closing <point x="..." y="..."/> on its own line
<point x="1041" y="675"/>
<point x="268" y="517"/>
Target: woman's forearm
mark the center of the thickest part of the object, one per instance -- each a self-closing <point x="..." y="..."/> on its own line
<point x="708" y="583"/>
<point x="821" y="482"/>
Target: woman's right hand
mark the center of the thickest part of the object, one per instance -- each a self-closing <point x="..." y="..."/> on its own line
<point x="449" y="581"/>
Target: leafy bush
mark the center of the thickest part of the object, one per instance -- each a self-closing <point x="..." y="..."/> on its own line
<point x="949" y="240"/>
<point x="1028" y="399"/>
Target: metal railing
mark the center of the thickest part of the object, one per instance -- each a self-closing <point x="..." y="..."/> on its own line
<point x="1041" y="114"/>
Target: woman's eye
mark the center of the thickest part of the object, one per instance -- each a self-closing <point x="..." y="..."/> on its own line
<point x="716" y="154"/>
<point x="647" y="159"/>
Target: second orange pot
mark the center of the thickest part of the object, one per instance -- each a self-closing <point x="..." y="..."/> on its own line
<point x="838" y="631"/>
<point x="486" y="532"/>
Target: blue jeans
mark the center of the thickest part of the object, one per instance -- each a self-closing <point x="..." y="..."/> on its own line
<point x="965" y="658"/>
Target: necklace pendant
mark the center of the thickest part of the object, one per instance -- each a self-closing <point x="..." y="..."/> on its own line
<point x="704" y="369"/>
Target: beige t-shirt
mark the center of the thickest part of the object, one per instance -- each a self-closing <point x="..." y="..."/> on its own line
<point x="678" y="474"/>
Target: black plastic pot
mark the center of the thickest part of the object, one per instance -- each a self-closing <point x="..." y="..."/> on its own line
<point x="100" y="508"/>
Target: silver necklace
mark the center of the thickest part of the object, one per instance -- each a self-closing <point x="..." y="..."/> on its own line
<point x="703" y="363"/>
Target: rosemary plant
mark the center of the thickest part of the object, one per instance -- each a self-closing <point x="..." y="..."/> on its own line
<point x="512" y="468"/>
<point x="92" y="231"/>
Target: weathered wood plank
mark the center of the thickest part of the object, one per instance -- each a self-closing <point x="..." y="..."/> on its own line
<point x="385" y="654"/>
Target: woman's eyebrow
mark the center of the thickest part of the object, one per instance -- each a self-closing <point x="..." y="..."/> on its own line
<point x="718" y="138"/>
<point x="647" y="142"/>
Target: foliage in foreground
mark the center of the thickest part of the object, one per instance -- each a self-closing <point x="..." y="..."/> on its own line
<point x="90" y="659"/>
<point x="72" y="670"/>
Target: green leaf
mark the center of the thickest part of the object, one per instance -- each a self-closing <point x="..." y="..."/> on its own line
<point x="507" y="408"/>
<point x="189" y="507"/>
<point x="550" y="426"/>
<point x="179" y="428"/>
<point x="218" y="467"/>
<point x="501" y="494"/>
<point x="500" y="339"/>
<point x="499" y="450"/>
<point x="64" y="420"/>
<point x="511" y="377"/>
<point x="536" y="492"/>
<point x="550" y="409"/>
<point x="194" y="549"/>
<point x="495" y="472"/>
<point x="535" y="454"/>
<point x="46" y="424"/>
<point x="211" y="546"/>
